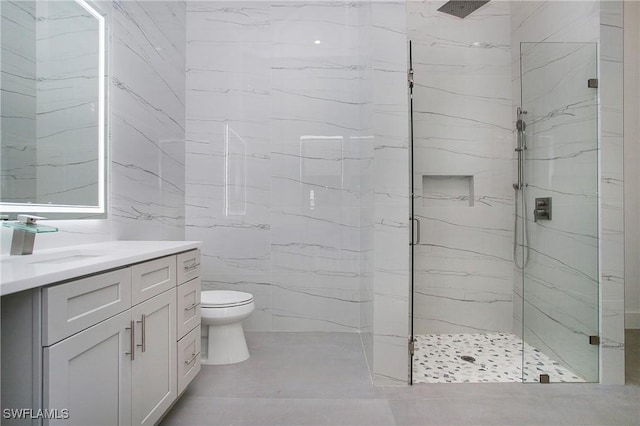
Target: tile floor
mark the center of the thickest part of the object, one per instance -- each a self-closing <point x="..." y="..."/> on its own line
<point x="497" y="357"/>
<point x="322" y="379"/>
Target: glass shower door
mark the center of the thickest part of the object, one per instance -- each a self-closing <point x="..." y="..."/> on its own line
<point x="561" y="277"/>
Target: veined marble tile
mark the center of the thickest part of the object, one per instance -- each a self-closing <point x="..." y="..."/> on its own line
<point x="228" y="22"/>
<point x="18" y="102"/>
<point x="612" y="196"/>
<point x="388" y="353"/>
<point x="148" y="112"/>
<point x="391" y="200"/>
<point x="316" y="172"/>
<point x="232" y="246"/>
<point x="297" y="25"/>
<point x="462" y="267"/>
<point x="317" y="105"/>
<point x="66" y="38"/>
<point x="610" y="328"/>
<point x="321" y="225"/>
<point x="555" y="21"/>
<point x="569" y="348"/>
<point x="310" y="299"/>
<point x="296" y="105"/>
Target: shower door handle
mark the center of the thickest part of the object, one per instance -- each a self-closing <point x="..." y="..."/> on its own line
<point x="417" y="228"/>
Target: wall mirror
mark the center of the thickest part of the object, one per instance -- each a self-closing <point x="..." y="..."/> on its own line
<point x="52" y="108"/>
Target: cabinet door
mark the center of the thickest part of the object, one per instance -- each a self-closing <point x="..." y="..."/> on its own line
<point x="154" y="369"/>
<point x="89" y="374"/>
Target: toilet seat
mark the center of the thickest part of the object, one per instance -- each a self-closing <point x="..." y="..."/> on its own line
<point x="224" y="299"/>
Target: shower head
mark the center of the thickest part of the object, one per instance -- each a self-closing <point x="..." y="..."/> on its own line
<point x="461" y="8"/>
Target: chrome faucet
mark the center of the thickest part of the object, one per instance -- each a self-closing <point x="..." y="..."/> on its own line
<point x="24" y="233"/>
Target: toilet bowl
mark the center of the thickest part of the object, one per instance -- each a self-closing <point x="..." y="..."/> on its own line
<point x="222" y="312"/>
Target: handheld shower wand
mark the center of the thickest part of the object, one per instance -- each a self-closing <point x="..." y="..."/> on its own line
<point x="519" y="190"/>
<point x="520" y="147"/>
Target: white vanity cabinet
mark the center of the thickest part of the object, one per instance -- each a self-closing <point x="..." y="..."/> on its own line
<point x="188" y="317"/>
<point x="111" y="346"/>
<point x="89" y="374"/>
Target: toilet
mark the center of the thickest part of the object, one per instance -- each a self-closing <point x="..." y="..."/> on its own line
<point x="223" y="311"/>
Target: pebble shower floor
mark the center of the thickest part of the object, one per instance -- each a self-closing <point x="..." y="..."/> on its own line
<point x="498" y="358"/>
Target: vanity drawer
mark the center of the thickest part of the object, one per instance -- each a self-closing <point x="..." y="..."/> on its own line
<point x="152" y="278"/>
<point x="188" y="358"/>
<point x="188" y="266"/>
<point x="74" y="306"/>
<point x="188" y="306"/>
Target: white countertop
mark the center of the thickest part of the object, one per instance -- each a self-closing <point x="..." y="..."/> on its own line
<point x="43" y="267"/>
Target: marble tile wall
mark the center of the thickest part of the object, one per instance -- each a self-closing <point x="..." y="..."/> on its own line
<point x="315" y="205"/>
<point x="18" y="101"/>
<point x="462" y="169"/>
<point x="67" y="37"/>
<point x="612" y="278"/>
<point x="632" y="160"/>
<point x="391" y="258"/>
<point x="366" y="155"/>
<point x="278" y="203"/>
<point x="147" y="120"/>
<point x="228" y="107"/>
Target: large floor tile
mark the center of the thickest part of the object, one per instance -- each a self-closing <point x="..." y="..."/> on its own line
<point x="322" y="379"/>
<point x="279" y="411"/>
<point x="513" y="411"/>
<point x="512" y="390"/>
<point x="292" y="365"/>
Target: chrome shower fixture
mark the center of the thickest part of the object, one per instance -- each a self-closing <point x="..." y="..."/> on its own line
<point x="521" y="145"/>
<point x="461" y="8"/>
<point x="519" y="191"/>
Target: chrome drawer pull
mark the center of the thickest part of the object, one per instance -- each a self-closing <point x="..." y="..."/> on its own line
<point x="191" y="307"/>
<point x="144" y="337"/>
<point x="193" y="358"/>
<point x="191" y="268"/>
<point x="132" y="340"/>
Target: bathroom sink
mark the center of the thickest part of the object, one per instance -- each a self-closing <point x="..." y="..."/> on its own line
<point x="51" y="258"/>
<point x="65" y="259"/>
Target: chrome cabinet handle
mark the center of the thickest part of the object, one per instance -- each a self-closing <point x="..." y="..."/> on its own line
<point x="132" y="340"/>
<point x="193" y="358"/>
<point x="143" y="321"/>
<point x="191" y="267"/>
<point x="191" y="307"/>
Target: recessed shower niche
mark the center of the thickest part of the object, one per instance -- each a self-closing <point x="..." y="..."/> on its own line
<point x="447" y="191"/>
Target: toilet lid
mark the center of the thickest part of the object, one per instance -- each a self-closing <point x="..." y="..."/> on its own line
<point x="224" y="298"/>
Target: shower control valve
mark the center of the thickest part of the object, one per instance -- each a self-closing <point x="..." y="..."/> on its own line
<point x="543" y="209"/>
